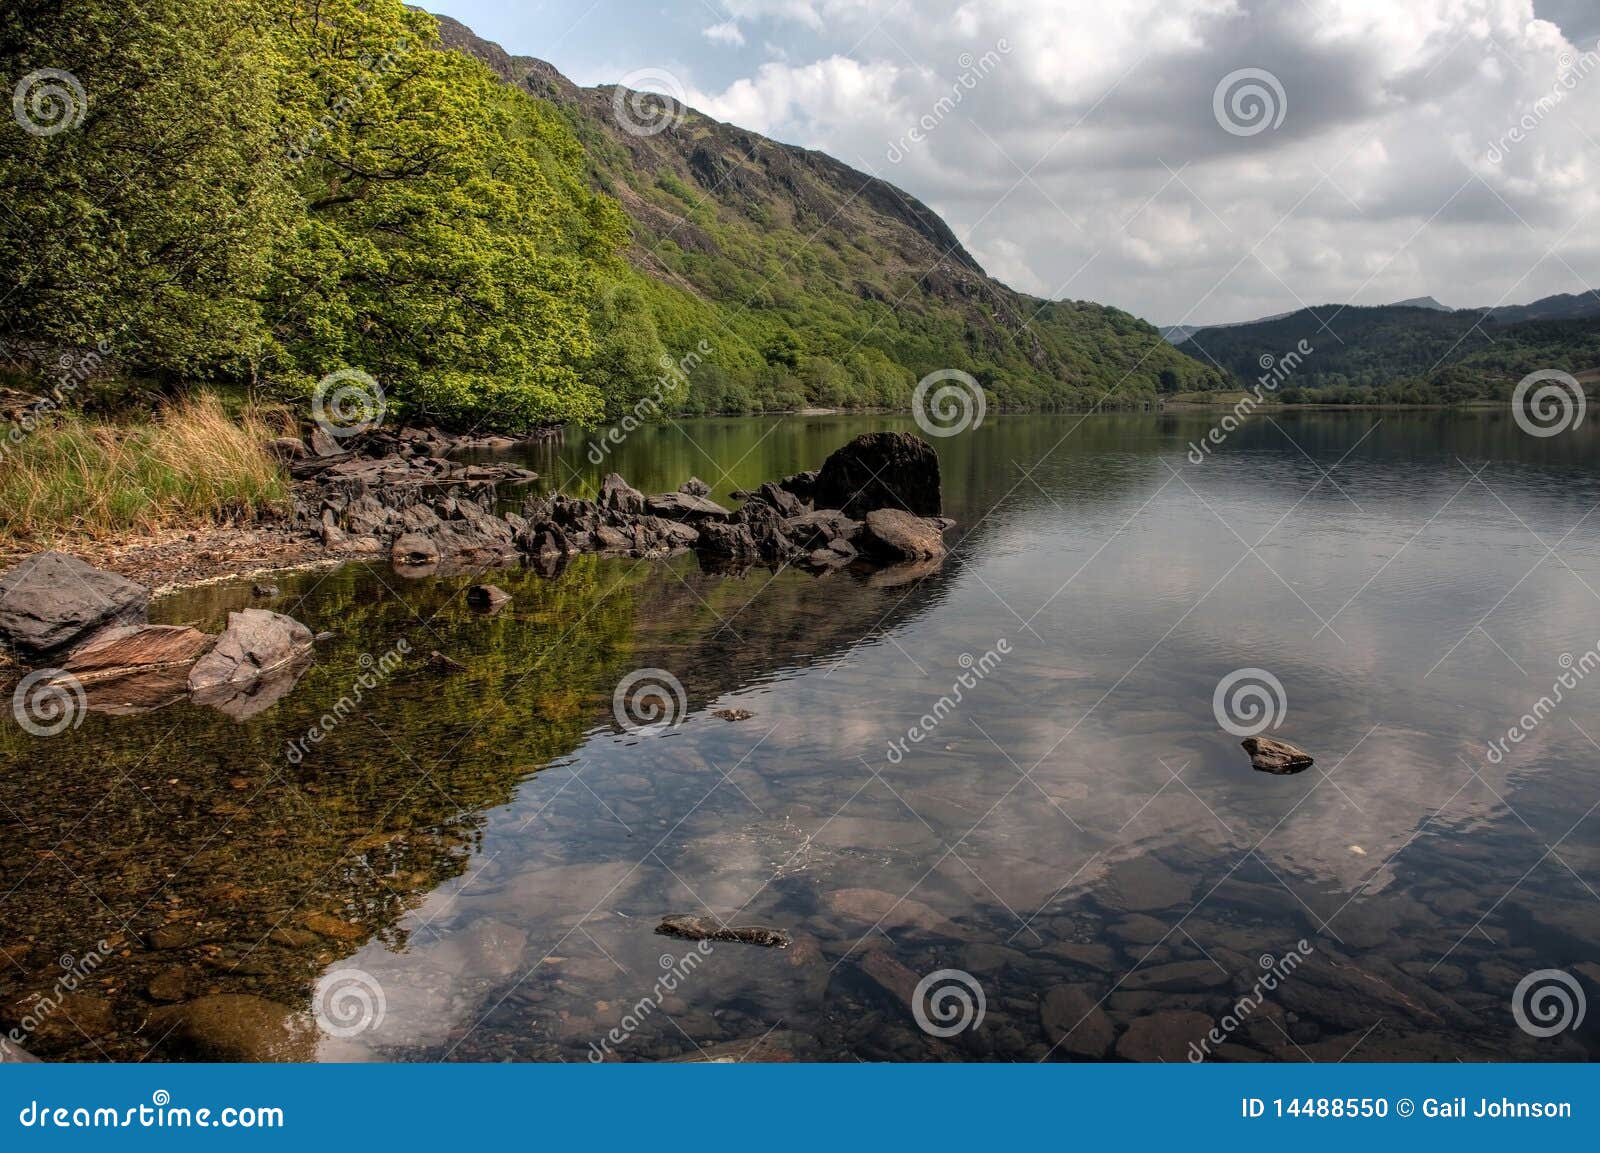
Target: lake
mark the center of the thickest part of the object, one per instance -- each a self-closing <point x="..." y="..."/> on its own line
<point x="1000" y="808"/>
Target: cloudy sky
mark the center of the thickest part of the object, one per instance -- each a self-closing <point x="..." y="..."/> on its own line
<point x="1364" y="151"/>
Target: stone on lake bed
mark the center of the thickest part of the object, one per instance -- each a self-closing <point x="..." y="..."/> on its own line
<point x="489" y="597"/>
<point x="1278" y="757"/>
<point x="695" y="928"/>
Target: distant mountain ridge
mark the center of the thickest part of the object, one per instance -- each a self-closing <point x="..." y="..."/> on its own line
<point x="812" y="282"/>
<point x="1566" y="306"/>
<point x="1414" y="352"/>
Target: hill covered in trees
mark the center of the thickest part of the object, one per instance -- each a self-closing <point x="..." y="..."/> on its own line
<point x="1406" y="354"/>
<point x="268" y="191"/>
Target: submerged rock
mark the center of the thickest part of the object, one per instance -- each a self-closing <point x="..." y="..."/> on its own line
<point x="52" y="601"/>
<point x="236" y="1027"/>
<point x="488" y="597"/>
<point x="1278" y="757"/>
<point x="693" y="928"/>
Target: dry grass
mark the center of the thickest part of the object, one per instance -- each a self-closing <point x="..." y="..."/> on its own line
<point x="194" y="464"/>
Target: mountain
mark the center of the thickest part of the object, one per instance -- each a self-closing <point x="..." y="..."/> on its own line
<point x="1564" y="307"/>
<point x="1412" y="353"/>
<point x="813" y="283"/>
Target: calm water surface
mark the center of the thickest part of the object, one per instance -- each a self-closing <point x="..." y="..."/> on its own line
<point x="486" y="855"/>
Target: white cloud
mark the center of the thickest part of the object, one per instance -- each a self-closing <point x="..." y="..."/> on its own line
<point x="725" y="33"/>
<point x="1091" y="148"/>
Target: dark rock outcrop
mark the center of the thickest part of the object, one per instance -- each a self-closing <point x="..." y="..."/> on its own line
<point x="880" y="470"/>
<point x="694" y="928"/>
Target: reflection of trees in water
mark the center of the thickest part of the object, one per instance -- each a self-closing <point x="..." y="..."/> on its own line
<point x="191" y="842"/>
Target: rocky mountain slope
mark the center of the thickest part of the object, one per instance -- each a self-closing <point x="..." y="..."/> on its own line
<point x="819" y="281"/>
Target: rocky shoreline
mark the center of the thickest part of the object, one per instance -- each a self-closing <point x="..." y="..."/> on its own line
<point x="874" y="503"/>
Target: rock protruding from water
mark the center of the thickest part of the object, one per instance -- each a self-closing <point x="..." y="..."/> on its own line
<point x="880" y="470"/>
<point x="898" y="533"/>
<point x="124" y="649"/>
<point x="52" y="601"/>
<point x="1279" y="757"/>
<point x="256" y="642"/>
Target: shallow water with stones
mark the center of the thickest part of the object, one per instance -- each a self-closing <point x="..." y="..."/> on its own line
<point x="1078" y="836"/>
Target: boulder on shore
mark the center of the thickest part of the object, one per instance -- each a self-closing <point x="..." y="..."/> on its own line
<point x="257" y="641"/>
<point x="880" y="470"/>
<point x="52" y="601"/>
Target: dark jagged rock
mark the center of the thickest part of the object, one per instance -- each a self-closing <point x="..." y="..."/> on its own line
<point x="694" y="486"/>
<point x="682" y="506"/>
<point x="881" y="470"/>
<point x="618" y="495"/>
<point x="1278" y="757"/>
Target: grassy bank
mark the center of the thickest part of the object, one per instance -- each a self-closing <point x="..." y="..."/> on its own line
<point x="194" y="464"/>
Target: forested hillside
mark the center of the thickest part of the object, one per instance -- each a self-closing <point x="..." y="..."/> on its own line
<point x="1400" y="354"/>
<point x="263" y="192"/>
